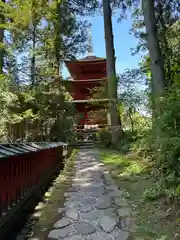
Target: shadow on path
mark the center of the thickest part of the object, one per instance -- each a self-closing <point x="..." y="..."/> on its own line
<point x="94" y="207"/>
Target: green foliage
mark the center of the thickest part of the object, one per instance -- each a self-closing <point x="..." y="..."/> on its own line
<point x="163" y="149"/>
<point x="133" y="101"/>
<point x="155" y="192"/>
<point x="44" y="104"/>
<point x="104" y="137"/>
<point x="168" y="144"/>
<point x="39" y="36"/>
<point x="142" y="145"/>
<point x="124" y="143"/>
<point x="149" y="136"/>
<point x="157" y="141"/>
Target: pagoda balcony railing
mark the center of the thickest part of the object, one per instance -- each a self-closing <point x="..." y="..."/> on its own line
<point x="87" y="80"/>
<point x="100" y="100"/>
<point x="81" y="128"/>
<point x="81" y="96"/>
<point x="86" y="95"/>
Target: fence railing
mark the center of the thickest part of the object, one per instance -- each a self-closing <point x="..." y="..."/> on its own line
<point x="28" y="129"/>
<point x="24" y="167"/>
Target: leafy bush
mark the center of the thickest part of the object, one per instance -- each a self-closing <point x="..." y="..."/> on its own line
<point x="142" y="145"/>
<point x="155" y="192"/>
<point x="104" y="137"/>
<point x="126" y="139"/>
<point x="124" y="143"/>
<point x="168" y="143"/>
<point x="163" y="146"/>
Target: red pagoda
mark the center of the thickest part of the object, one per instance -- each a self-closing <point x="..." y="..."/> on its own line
<point x="88" y="74"/>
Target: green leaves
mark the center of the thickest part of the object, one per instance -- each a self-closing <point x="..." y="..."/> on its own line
<point x="39" y="36"/>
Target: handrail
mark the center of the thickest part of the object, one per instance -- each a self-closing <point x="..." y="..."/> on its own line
<point x="23" y="167"/>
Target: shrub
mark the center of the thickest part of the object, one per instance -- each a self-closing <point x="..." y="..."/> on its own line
<point x="168" y="124"/>
<point x="142" y="145"/>
<point x="104" y="137"/>
<point x="164" y="143"/>
<point x="125" y="141"/>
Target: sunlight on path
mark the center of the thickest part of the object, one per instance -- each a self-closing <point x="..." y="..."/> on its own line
<point x="94" y="208"/>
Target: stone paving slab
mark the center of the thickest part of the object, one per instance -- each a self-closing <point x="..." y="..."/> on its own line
<point x="94" y="206"/>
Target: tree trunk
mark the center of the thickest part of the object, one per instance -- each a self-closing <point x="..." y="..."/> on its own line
<point x="111" y="70"/>
<point x="57" y="41"/>
<point x="33" y="37"/>
<point x="57" y="57"/>
<point x="1" y="41"/>
<point x="33" y="59"/>
<point x="131" y="120"/>
<point x="164" y="45"/>
<point x="157" y="66"/>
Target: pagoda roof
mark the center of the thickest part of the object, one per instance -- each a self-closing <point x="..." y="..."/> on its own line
<point x="90" y="67"/>
<point x="91" y="58"/>
<point x="86" y="60"/>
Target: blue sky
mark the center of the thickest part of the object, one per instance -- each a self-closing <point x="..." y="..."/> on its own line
<point x="123" y="42"/>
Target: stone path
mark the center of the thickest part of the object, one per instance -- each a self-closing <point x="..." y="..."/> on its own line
<point x="94" y="208"/>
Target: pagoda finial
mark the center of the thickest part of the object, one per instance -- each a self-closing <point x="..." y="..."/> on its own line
<point x="90" y="43"/>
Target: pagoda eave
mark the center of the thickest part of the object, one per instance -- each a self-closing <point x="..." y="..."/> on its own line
<point x="86" y="80"/>
<point x="89" y="67"/>
<point x="89" y="101"/>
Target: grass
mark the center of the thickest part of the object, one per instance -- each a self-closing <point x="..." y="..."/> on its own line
<point x="45" y="215"/>
<point x="155" y="220"/>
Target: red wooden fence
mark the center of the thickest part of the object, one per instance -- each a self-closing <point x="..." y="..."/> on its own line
<point x="23" y="167"/>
